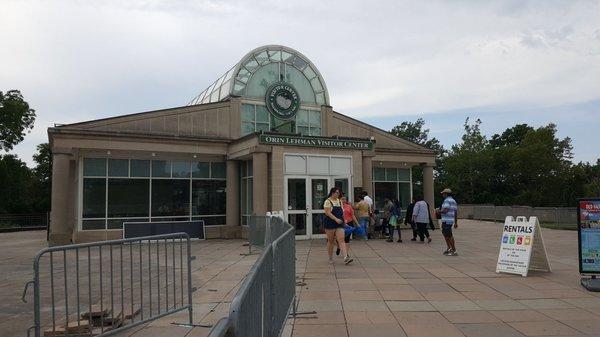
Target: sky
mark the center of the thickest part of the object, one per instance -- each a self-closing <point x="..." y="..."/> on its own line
<point x="384" y="62"/>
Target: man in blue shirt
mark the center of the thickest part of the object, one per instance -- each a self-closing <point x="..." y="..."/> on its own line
<point x="449" y="213"/>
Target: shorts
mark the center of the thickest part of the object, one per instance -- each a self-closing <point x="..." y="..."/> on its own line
<point x="447" y="230"/>
<point x="332" y="226"/>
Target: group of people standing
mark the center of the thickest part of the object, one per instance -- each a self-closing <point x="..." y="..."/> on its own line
<point x="343" y="220"/>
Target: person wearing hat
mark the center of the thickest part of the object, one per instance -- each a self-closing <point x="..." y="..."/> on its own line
<point x="448" y="213"/>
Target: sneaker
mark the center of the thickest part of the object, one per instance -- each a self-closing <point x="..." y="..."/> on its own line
<point x="390" y="240"/>
<point x="330" y="260"/>
<point x="428" y="240"/>
<point x="348" y="259"/>
<point x="447" y="252"/>
<point x="337" y="251"/>
<point x="413" y="239"/>
<point x="453" y="253"/>
<point x="399" y="240"/>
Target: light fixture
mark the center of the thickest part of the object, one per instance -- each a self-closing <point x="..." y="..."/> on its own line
<point x="195" y="156"/>
<point x="108" y="153"/>
<point x="153" y="154"/>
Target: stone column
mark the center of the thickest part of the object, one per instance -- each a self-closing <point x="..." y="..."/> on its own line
<point x="367" y="174"/>
<point x="60" y="233"/>
<point x="260" y="183"/>
<point x="428" y="193"/>
<point x="233" y="193"/>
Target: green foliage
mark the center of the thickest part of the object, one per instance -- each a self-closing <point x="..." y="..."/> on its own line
<point x="15" y="119"/>
<point x="15" y="179"/>
<point x="26" y="190"/>
<point x="522" y="165"/>
<point x="42" y="173"/>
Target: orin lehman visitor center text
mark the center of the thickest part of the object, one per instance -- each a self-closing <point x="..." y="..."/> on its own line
<point x="262" y="137"/>
<point x="316" y="142"/>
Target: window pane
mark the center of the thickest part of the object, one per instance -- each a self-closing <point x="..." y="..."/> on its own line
<point x="309" y="72"/>
<point x="250" y="196"/>
<point x="302" y="85"/>
<point x="382" y="191"/>
<point x="208" y="197"/>
<point x="262" y="115"/>
<point x="181" y="169"/>
<point x="405" y="195"/>
<point x="320" y="98"/>
<point x="94" y="167"/>
<point x="118" y="168"/>
<point x="315" y="118"/>
<point x="247" y="128"/>
<point x="263" y="127"/>
<point x="93" y="224"/>
<point x="284" y="126"/>
<point x="128" y="197"/>
<point x="316" y="83"/>
<point x="391" y="174"/>
<point x="303" y="130"/>
<point x="302" y="117"/>
<point x="94" y="198"/>
<point x="170" y="197"/>
<point x="217" y="170"/>
<point x="296" y="194"/>
<point x="315" y="131"/>
<point x="299" y="223"/>
<point x="261" y="80"/>
<point x="161" y="168"/>
<point x="250" y="167"/>
<point x="247" y="112"/>
<point x="244" y="196"/>
<point x="251" y="64"/>
<point x="200" y="170"/>
<point x="404" y="174"/>
<point x="140" y="168"/>
<point x="379" y="174"/>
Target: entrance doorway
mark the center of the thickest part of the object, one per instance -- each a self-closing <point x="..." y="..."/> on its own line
<point x="304" y="198"/>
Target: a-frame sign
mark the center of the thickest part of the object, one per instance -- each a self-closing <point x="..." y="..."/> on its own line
<point x="522" y="247"/>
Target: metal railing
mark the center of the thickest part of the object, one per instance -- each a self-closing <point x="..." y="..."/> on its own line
<point x="102" y="288"/>
<point x="15" y="222"/>
<point x="261" y="305"/>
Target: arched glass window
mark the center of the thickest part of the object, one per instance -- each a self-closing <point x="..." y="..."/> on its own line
<point x="263" y="66"/>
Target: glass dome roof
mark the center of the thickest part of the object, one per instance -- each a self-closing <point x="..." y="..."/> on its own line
<point x="263" y="66"/>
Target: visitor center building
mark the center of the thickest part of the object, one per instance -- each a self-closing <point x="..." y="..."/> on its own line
<point x="262" y="137"/>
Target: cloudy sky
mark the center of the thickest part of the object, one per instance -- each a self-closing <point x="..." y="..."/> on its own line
<point x="384" y="62"/>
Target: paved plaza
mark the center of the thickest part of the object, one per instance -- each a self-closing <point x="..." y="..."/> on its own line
<point x="391" y="289"/>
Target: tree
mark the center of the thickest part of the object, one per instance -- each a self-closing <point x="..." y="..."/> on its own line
<point x="15" y="179"/>
<point x="510" y="136"/>
<point x="470" y="166"/>
<point x="415" y="133"/>
<point x="42" y="173"/>
<point x="16" y="118"/>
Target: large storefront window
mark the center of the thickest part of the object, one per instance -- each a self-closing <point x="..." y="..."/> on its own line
<point x="121" y="190"/>
<point x="256" y="118"/>
<point x="392" y="183"/>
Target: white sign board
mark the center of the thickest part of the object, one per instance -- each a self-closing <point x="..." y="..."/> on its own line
<point x="522" y="247"/>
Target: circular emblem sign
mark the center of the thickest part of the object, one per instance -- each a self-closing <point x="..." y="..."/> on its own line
<point x="282" y="100"/>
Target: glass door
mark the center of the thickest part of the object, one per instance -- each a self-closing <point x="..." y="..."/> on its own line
<point x="319" y="188"/>
<point x="296" y="205"/>
<point x="343" y="183"/>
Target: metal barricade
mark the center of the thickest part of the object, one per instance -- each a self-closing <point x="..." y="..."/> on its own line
<point x="261" y="305"/>
<point x="102" y="288"/>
